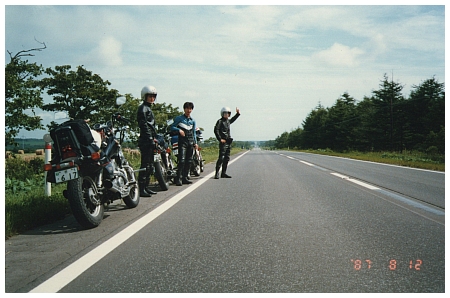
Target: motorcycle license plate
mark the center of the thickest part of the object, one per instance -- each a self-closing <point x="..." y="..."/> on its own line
<point x="175" y="151"/>
<point x="66" y="175"/>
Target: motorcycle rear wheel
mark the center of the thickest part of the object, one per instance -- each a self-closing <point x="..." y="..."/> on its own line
<point x="161" y="175"/>
<point x="84" y="202"/>
<point x="132" y="200"/>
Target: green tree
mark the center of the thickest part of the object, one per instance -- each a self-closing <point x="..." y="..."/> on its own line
<point x="22" y="94"/>
<point x="313" y="135"/>
<point x="282" y="140"/>
<point x="426" y="114"/>
<point x="81" y="94"/>
<point x="340" y="123"/>
<point x="388" y="119"/>
<point x="294" y="138"/>
<point x="364" y="130"/>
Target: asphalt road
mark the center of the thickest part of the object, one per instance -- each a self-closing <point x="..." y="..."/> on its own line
<point x="285" y="222"/>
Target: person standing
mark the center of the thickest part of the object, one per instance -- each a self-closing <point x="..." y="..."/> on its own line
<point x="147" y="134"/>
<point x="185" y="126"/>
<point x="223" y="135"/>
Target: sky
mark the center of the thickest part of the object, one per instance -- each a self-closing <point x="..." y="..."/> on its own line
<point x="276" y="63"/>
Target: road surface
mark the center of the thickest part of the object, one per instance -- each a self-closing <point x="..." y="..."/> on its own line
<point x="285" y="222"/>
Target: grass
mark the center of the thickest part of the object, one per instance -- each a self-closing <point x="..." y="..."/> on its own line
<point x="435" y="162"/>
<point x="29" y="209"/>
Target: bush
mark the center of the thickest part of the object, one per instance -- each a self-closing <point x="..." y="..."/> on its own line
<point x="17" y="168"/>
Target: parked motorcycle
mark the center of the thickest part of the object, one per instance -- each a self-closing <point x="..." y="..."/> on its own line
<point x="92" y="164"/>
<point x="161" y="162"/>
<point x="197" y="165"/>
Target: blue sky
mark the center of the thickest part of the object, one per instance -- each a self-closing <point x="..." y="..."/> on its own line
<point x="276" y="63"/>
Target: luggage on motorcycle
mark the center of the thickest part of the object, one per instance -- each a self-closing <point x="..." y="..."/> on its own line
<point x="76" y="133"/>
<point x="82" y="131"/>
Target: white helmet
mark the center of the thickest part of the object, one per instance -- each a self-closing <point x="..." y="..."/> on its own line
<point x="225" y="110"/>
<point x="148" y="90"/>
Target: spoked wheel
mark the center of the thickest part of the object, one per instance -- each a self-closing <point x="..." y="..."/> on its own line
<point x="161" y="175"/>
<point x="201" y="162"/>
<point x="132" y="200"/>
<point x="85" y="202"/>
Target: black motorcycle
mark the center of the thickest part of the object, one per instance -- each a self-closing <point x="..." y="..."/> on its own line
<point x="197" y="165"/>
<point x="161" y="162"/>
<point x="92" y="164"/>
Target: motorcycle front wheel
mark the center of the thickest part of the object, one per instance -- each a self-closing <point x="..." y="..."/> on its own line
<point x="84" y="202"/>
<point x="161" y="175"/>
<point x="200" y="158"/>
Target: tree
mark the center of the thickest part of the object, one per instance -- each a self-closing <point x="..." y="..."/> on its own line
<point x="282" y="140"/>
<point x="340" y="123"/>
<point x="426" y="111"/>
<point x="81" y="94"/>
<point x="390" y="126"/>
<point x="313" y="135"/>
<point x="294" y="138"/>
<point x="22" y="94"/>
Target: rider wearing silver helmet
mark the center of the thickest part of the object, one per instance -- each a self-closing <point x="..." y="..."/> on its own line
<point x="223" y="135"/>
<point x="146" y="122"/>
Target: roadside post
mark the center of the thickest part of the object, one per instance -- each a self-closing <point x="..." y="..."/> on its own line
<point x="47" y="158"/>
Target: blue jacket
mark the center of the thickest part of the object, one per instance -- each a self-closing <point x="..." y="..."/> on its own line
<point x="187" y="125"/>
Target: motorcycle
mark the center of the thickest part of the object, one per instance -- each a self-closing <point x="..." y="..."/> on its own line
<point x="92" y="164"/>
<point x="161" y="162"/>
<point x="197" y="165"/>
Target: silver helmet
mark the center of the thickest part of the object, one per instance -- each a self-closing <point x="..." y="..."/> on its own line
<point x="225" y="110"/>
<point x="148" y="90"/>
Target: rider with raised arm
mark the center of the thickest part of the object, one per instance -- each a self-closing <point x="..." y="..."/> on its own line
<point x="223" y="135"/>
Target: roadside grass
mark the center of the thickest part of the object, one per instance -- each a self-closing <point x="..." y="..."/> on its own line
<point x="27" y="206"/>
<point x="413" y="159"/>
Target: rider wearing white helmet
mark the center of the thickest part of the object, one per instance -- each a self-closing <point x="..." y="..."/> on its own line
<point x="223" y="135"/>
<point x="146" y="122"/>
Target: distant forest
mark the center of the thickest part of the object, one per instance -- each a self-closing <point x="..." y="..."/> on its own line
<point x="386" y="121"/>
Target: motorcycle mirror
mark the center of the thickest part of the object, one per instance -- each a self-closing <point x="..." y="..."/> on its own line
<point x="120" y="100"/>
<point x="60" y="116"/>
<point x="47" y="138"/>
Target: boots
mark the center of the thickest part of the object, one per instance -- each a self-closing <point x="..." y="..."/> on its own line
<point x="217" y="172"/>
<point x="224" y="170"/>
<point x="143" y="182"/>
<point x="178" y="177"/>
<point x="142" y="190"/>
<point x="149" y="190"/>
<point x="185" y="179"/>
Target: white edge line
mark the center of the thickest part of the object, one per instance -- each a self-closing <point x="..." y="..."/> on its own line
<point x="363" y="184"/>
<point x="339" y="175"/>
<point x="307" y="163"/>
<point x="68" y="274"/>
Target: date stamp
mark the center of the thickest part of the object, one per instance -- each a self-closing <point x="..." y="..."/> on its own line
<point x="392" y="264"/>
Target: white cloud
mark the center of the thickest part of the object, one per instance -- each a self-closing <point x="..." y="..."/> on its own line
<point x="339" y="55"/>
<point x="109" y="52"/>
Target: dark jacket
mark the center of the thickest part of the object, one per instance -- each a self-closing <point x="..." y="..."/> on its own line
<point x="222" y="127"/>
<point x="146" y="122"/>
